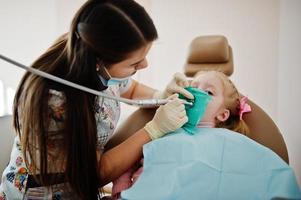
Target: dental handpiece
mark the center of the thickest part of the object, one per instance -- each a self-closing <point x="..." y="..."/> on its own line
<point x="145" y="103"/>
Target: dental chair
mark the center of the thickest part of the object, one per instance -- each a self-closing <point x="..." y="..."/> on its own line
<point x="212" y="53"/>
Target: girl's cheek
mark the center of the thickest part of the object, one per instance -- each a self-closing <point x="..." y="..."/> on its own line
<point x="194" y="84"/>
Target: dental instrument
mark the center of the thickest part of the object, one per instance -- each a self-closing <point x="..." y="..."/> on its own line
<point x="144" y="103"/>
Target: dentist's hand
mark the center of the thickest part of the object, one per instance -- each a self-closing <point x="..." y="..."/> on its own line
<point x="168" y="118"/>
<point x="176" y="85"/>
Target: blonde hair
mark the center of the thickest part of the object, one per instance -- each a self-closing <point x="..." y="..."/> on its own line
<point x="232" y="103"/>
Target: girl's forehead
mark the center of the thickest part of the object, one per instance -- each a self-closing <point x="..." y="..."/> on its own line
<point x="209" y="77"/>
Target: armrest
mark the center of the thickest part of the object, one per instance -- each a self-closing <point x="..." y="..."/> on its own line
<point x="264" y="131"/>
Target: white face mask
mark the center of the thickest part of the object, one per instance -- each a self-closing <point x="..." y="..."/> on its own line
<point x="113" y="81"/>
<point x="116" y="81"/>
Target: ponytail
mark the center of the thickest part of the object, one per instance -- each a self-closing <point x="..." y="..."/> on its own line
<point x="242" y="128"/>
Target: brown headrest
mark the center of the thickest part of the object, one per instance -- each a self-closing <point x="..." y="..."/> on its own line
<point x="209" y="53"/>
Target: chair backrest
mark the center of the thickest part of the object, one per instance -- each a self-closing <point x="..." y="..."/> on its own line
<point x="213" y="53"/>
<point x="6" y="142"/>
<point x="264" y="131"/>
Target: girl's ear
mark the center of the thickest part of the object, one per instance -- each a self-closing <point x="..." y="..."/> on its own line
<point x="223" y="116"/>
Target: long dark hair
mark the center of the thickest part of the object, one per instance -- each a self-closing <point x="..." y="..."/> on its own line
<point x="102" y="29"/>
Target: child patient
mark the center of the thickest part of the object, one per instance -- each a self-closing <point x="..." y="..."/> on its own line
<point x="226" y="107"/>
<point x="224" y="110"/>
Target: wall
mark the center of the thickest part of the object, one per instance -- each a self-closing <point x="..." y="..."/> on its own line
<point x="28" y="28"/>
<point x="251" y="31"/>
<point x="289" y="92"/>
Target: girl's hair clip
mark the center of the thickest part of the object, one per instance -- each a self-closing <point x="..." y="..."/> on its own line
<point x="244" y="107"/>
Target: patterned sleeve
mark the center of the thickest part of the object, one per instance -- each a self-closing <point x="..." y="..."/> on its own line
<point x="14" y="176"/>
<point x="56" y="111"/>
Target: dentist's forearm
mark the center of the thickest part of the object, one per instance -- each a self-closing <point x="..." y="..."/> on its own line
<point x="143" y="92"/>
<point x="117" y="160"/>
<point x="139" y="91"/>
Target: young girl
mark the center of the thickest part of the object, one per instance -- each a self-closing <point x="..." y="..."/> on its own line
<point x="224" y="110"/>
<point x="226" y="107"/>
<point x="58" y="153"/>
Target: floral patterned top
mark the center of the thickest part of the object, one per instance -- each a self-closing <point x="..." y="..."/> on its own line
<point x="107" y="114"/>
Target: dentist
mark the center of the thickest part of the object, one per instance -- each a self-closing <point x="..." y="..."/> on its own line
<point x="58" y="152"/>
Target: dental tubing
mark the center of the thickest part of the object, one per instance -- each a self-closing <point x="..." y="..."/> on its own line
<point x="139" y="102"/>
